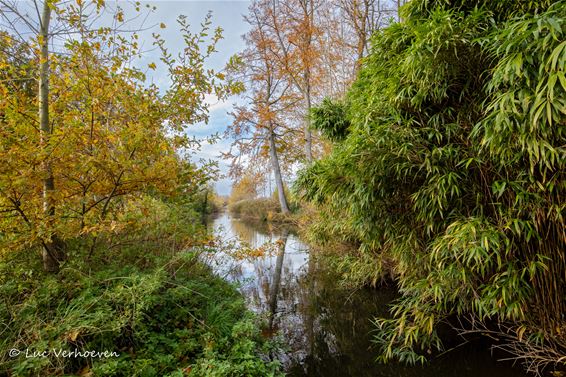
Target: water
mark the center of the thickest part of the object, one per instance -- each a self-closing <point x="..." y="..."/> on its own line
<point x="326" y="330"/>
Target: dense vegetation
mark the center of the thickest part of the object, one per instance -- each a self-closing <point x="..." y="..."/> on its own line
<point x="245" y="203"/>
<point x="162" y="315"/>
<point x="263" y="209"/>
<point x="448" y="172"/>
<point x="445" y="169"/>
<point x="101" y="210"/>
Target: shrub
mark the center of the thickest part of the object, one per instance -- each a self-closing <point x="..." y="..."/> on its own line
<point x="453" y="168"/>
<point x="164" y="319"/>
<point x="262" y="209"/>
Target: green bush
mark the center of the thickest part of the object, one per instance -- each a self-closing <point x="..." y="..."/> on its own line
<point x="453" y="172"/>
<point x="163" y="319"/>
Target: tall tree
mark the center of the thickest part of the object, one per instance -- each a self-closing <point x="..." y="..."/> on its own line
<point x="101" y="136"/>
<point x="257" y="127"/>
<point x="308" y="49"/>
<point x="52" y="247"/>
<point x="53" y="252"/>
<point x="363" y="18"/>
<point x="297" y="33"/>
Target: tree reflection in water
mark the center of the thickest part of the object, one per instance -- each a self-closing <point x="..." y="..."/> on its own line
<point x="326" y="329"/>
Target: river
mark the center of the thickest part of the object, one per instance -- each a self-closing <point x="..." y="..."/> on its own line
<point x="325" y="330"/>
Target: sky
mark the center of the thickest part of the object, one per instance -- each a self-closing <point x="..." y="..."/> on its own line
<point x="229" y="16"/>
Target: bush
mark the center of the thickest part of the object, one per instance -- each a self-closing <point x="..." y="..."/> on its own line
<point x="452" y="170"/>
<point x="138" y="293"/>
<point x="263" y="209"/>
<point x="163" y="320"/>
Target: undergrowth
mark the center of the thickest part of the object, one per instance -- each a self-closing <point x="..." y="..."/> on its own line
<point x="167" y="316"/>
<point x="260" y="209"/>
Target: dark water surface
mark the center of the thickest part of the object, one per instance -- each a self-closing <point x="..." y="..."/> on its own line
<point x="325" y="329"/>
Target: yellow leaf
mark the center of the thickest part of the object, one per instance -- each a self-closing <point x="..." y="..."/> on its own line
<point x="520" y="332"/>
<point x="85" y="372"/>
<point x="73" y="335"/>
<point x="152" y="66"/>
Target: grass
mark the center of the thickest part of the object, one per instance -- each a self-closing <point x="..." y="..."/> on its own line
<point x="162" y="315"/>
<point x="261" y="209"/>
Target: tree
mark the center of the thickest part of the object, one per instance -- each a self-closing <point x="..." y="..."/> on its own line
<point x="301" y="57"/>
<point x="295" y="30"/>
<point x="255" y="128"/>
<point x="364" y="18"/>
<point x="52" y="246"/>
<point x="244" y="189"/>
<point x="110" y="137"/>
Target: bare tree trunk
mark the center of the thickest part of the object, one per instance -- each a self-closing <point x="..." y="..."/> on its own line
<point x="277" y="171"/>
<point x="204" y="208"/>
<point x="52" y="247"/>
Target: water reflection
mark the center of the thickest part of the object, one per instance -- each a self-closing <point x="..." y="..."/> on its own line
<point x="326" y="329"/>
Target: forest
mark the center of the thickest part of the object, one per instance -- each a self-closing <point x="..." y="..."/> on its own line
<point x="395" y="199"/>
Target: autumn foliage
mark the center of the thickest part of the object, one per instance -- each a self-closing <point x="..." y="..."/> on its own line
<point x="113" y="136"/>
<point x="101" y="208"/>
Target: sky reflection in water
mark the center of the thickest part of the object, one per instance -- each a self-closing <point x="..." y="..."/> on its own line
<point x="326" y="329"/>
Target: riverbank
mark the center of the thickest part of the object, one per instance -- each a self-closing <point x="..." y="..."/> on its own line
<point x="140" y="296"/>
<point x="263" y="210"/>
<point x="151" y="315"/>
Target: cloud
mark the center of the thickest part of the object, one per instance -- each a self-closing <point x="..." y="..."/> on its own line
<point x="213" y="152"/>
<point x="214" y="104"/>
<point x="229" y="16"/>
